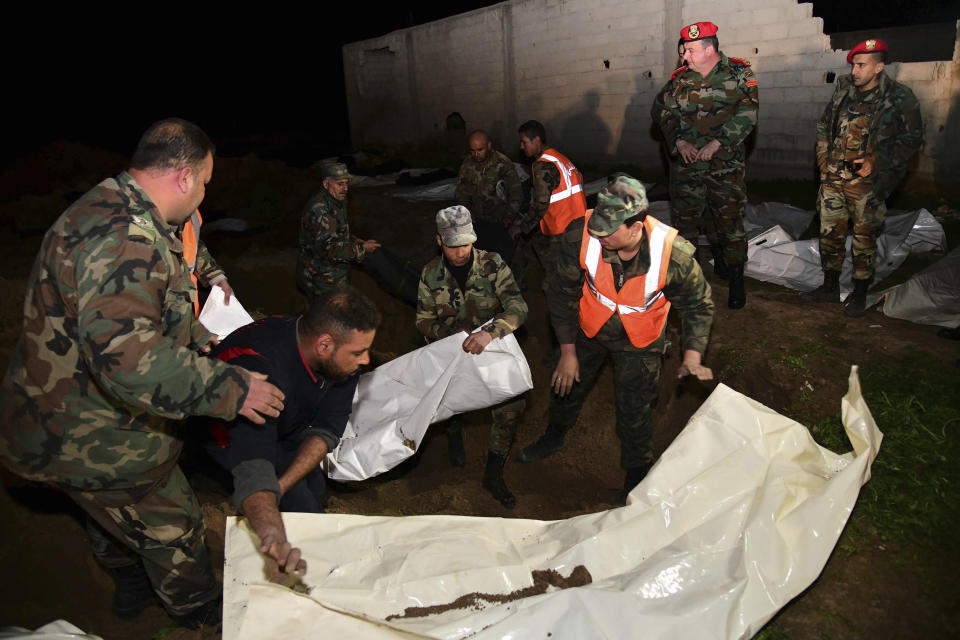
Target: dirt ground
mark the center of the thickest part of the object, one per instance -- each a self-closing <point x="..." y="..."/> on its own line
<point x="44" y="554"/>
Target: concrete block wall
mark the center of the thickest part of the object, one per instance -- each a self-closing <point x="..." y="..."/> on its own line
<point x="589" y="70"/>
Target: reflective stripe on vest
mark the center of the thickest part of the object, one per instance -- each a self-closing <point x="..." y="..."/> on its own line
<point x="567" y="202"/>
<point x="640" y="302"/>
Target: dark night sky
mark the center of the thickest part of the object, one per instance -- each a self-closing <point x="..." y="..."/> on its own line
<point x="271" y="83"/>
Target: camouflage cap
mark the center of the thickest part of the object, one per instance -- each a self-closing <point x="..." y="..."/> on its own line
<point x="455" y="226"/>
<point x="623" y="198"/>
<point x="335" y="170"/>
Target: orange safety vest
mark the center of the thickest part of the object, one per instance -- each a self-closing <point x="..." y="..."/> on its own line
<point x="190" y="236"/>
<point x="567" y="202"/>
<point x="640" y="302"/>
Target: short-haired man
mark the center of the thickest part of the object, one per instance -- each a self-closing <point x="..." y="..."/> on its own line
<point x="710" y="108"/>
<point x="314" y="359"/>
<point x="326" y="245"/>
<point x="489" y="187"/>
<point x="110" y="352"/>
<point x="557" y="198"/>
<point x="618" y="272"/>
<point x="460" y="290"/>
<point x="868" y="132"/>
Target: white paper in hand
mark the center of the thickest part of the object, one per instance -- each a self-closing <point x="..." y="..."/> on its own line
<point x="221" y="319"/>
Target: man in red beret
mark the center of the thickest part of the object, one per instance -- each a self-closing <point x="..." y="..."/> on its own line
<point x="865" y="137"/>
<point x="709" y="108"/>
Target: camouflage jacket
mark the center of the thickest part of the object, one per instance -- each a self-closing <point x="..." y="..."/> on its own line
<point x="443" y="309"/>
<point x="722" y="105"/>
<point x="545" y="177"/>
<point x="326" y="245"/>
<point x="883" y="124"/>
<point x="490" y="191"/>
<point x="686" y="289"/>
<point x="207" y="270"/>
<point x="109" y="350"/>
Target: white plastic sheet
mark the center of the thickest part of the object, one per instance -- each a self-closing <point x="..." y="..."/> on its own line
<point x="395" y="403"/>
<point x="737" y="517"/>
<point x="222" y="319"/>
<point x="929" y="297"/>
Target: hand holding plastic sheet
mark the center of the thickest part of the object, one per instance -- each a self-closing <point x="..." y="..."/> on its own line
<point x="222" y="319"/>
<point x="396" y="403"/>
<point x="737" y="517"/>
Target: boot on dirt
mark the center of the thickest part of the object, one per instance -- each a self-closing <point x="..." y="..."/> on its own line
<point x="493" y="480"/>
<point x="633" y="478"/>
<point x="737" y="296"/>
<point x="856" y="303"/>
<point x="458" y="457"/>
<point x="209" y="614"/>
<point x="829" y="291"/>
<point x="720" y="268"/>
<point x="134" y="591"/>
<point x="549" y="443"/>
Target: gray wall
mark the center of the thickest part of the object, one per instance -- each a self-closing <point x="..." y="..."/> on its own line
<point x="588" y="69"/>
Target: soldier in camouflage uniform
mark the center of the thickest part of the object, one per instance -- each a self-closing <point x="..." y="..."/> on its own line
<point x="489" y="187"/>
<point x="460" y="290"/>
<point x="109" y="354"/>
<point x="326" y="245"/>
<point x="603" y="265"/>
<point x="709" y="110"/>
<point x="865" y="137"/>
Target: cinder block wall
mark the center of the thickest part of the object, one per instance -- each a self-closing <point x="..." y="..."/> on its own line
<point x="589" y="69"/>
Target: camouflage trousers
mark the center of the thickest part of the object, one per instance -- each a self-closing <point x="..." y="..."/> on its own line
<point x="839" y="202"/>
<point x="544" y="248"/>
<point x="706" y="223"/>
<point x="636" y="385"/>
<point x="718" y="195"/>
<point x="316" y="283"/>
<point x="164" y="530"/>
<point x="504" y="428"/>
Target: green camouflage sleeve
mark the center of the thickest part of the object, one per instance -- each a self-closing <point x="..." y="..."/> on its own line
<point x="124" y="303"/>
<point x="436" y="316"/>
<point x="545" y="178"/>
<point x="207" y="270"/>
<point x="514" y="191"/>
<point x="566" y="285"/>
<point x="513" y="308"/>
<point x="466" y="187"/>
<point x="746" y="95"/>
<point x="900" y="137"/>
<point x="689" y="293"/>
<point x="658" y="107"/>
<point x="332" y="237"/>
<point x="824" y="133"/>
<point x="671" y="122"/>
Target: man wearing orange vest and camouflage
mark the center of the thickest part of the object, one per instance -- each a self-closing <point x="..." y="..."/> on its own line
<point x="618" y="271"/>
<point x="557" y="197"/>
<point x="203" y="267"/>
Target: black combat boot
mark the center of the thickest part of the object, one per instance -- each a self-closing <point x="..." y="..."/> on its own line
<point x="829" y="291"/>
<point x="856" y="303"/>
<point x="720" y="268"/>
<point x="493" y="480"/>
<point x="633" y="478"/>
<point x="458" y="457"/>
<point x="134" y="591"/>
<point x="207" y="615"/>
<point x="737" y="297"/>
<point x="549" y="443"/>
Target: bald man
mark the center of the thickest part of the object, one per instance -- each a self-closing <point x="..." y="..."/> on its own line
<point x="488" y="185"/>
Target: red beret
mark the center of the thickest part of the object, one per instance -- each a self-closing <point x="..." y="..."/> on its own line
<point x="867" y="46"/>
<point x="698" y="31"/>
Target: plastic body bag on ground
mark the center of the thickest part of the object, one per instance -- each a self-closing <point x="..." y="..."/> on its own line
<point x="737" y="517"/>
<point x="929" y="297"/>
<point x="396" y="403"/>
<point x="223" y="319"/>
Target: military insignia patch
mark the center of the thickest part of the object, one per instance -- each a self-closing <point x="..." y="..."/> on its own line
<point x="140" y="221"/>
<point x="870" y="45"/>
<point x="751" y="83"/>
<point x="694" y="31"/>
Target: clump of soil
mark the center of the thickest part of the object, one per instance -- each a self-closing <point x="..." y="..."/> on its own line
<point x="542" y="580"/>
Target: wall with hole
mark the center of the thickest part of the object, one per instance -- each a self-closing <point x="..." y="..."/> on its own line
<point x="589" y="70"/>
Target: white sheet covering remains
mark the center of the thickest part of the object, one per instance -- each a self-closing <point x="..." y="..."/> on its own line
<point x="395" y="403"/>
<point x="737" y="517"/>
<point x="929" y="297"/>
<point x="221" y="319"/>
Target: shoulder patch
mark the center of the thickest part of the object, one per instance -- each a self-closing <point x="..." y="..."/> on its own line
<point x="745" y="63"/>
<point x="141" y="227"/>
<point x="751" y="83"/>
<point x="676" y="71"/>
